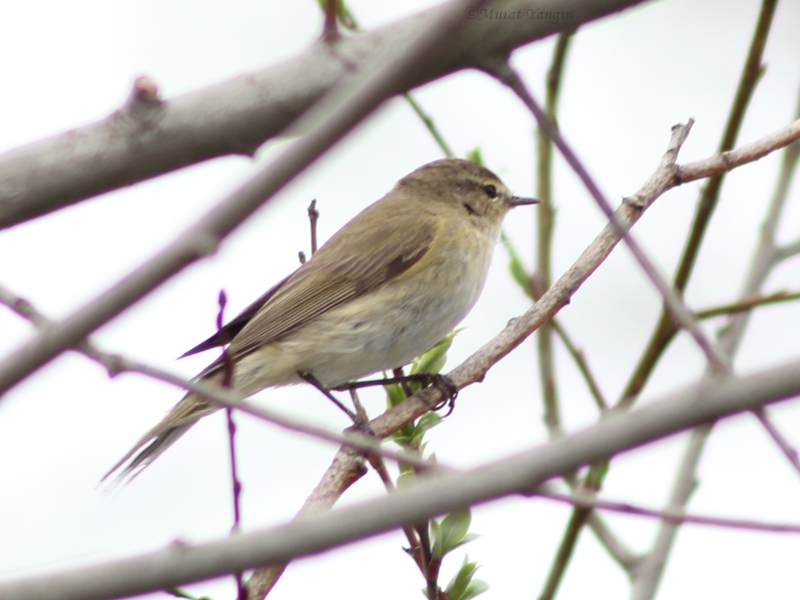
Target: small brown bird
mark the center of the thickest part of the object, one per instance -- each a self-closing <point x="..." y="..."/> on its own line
<point x="383" y="290"/>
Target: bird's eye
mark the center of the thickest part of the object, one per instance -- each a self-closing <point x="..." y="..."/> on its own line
<point x="490" y="190"/>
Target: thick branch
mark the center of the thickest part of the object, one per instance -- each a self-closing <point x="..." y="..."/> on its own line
<point x="331" y="120"/>
<point x="475" y="368"/>
<point x="179" y="563"/>
<point x="148" y="137"/>
<point x="116" y="364"/>
<point x="650" y="570"/>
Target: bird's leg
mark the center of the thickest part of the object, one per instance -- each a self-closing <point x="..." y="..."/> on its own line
<point x="309" y="378"/>
<point x="443" y="382"/>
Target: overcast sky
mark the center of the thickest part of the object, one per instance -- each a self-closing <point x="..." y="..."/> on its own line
<point x="628" y="80"/>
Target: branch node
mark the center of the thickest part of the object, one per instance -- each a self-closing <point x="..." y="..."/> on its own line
<point x="115" y="364"/>
<point x="636" y="201"/>
<point x="144" y="103"/>
<point x="145" y="90"/>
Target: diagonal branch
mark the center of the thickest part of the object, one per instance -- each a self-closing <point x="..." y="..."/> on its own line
<point x="648" y="575"/>
<point x="747" y="304"/>
<point x="331" y="120"/>
<point x="180" y="563"/>
<point x="588" y="501"/>
<point x="115" y="364"/>
<point x="148" y="137"/>
<point x="345" y="468"/>
<point x="672" y="300"/>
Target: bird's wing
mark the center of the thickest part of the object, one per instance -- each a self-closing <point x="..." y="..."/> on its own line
<point x="323" y="284"/>
<point x="232" y="329"/>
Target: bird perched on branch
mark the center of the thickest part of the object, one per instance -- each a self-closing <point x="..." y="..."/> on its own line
<point x="383" y="290"/>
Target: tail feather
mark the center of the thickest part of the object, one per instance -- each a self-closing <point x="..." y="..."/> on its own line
<point x="177" y="422"/>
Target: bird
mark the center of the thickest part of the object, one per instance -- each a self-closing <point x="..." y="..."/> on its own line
<point x="384" y="289"/>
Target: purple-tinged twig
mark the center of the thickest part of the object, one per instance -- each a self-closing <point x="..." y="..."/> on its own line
<point x="676" y="518"/>
<point x="227" y="382"/>
<point x="115" y="364"/>
<point x="313" y="217"/>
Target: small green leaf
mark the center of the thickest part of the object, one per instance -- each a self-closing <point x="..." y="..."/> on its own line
<point x="406" y="478"/>
<point x="460" y="584"/>
<point x="404" y="435"/>
<point x="476" y="156"/>
<point x="454" y="528"/>
<point x="425" y="423"/>
<point x="433" y="360"/>
<point x="435" y="533"/>
<point x="343" y="14"/>
<point x="394" y="394"/>
<point x="179" y="593"/>
<point x="465" y="540"/>
<point x="475" y="588"/>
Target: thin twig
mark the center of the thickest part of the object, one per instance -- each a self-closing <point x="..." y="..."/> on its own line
<point x="646" y="577"/>
<point x="248" y="110"/>
<point x="534" y="292"/>
<point x="623" y="555"/>
<point x="587" y="501"/>
<point x="345" y="469"/>
<point x="313" y="217"/>
<point x="330" y="31"/>
<point x="430" y="125"/>
<point x="718" y="361"/>
<point x="236" y="484"/>
<point x="542" y="280"/>
<point x="646" y="581"/>
<point x="181" y="563"/>
<point x="569" y="541"/>
<point x="583" y="365"/>
<point x="415" y="547"/>
<point x="329" y="120"/>
<point x="788" y="450"/>
<point x="116" y="364"/>
<point x="545" y="218"/>
<point x="746" y="304"/>
<point x="787" y="250"/>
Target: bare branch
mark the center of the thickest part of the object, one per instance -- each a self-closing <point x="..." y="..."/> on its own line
<point x="648" y="572"/>
<point x="674" y="517"/>
<point x="545" y="220"/>
<point x="646" y="580"/>
<point x="314" y="533"/>
<point x="116" y="364"/>
<point x="341" y="113"/>
<point x="788" y="451"/>
<point x="727" y="161"/>
<point x="672" y="300"/>
<point x="623" y="555"/>
<point x="747" y="304"/>
<point x="313" y="217"/>
<point x="344" y="471"/>
<point x="788" y="250"/>
<point x="145" y="139"/>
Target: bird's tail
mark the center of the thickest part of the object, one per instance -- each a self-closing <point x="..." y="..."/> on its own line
<point x="183" y="415"/>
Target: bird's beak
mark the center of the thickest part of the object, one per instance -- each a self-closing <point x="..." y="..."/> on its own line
<point x="517" y="201"/>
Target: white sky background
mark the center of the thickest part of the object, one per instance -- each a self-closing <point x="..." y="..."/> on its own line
<point x="628" y="79"/>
